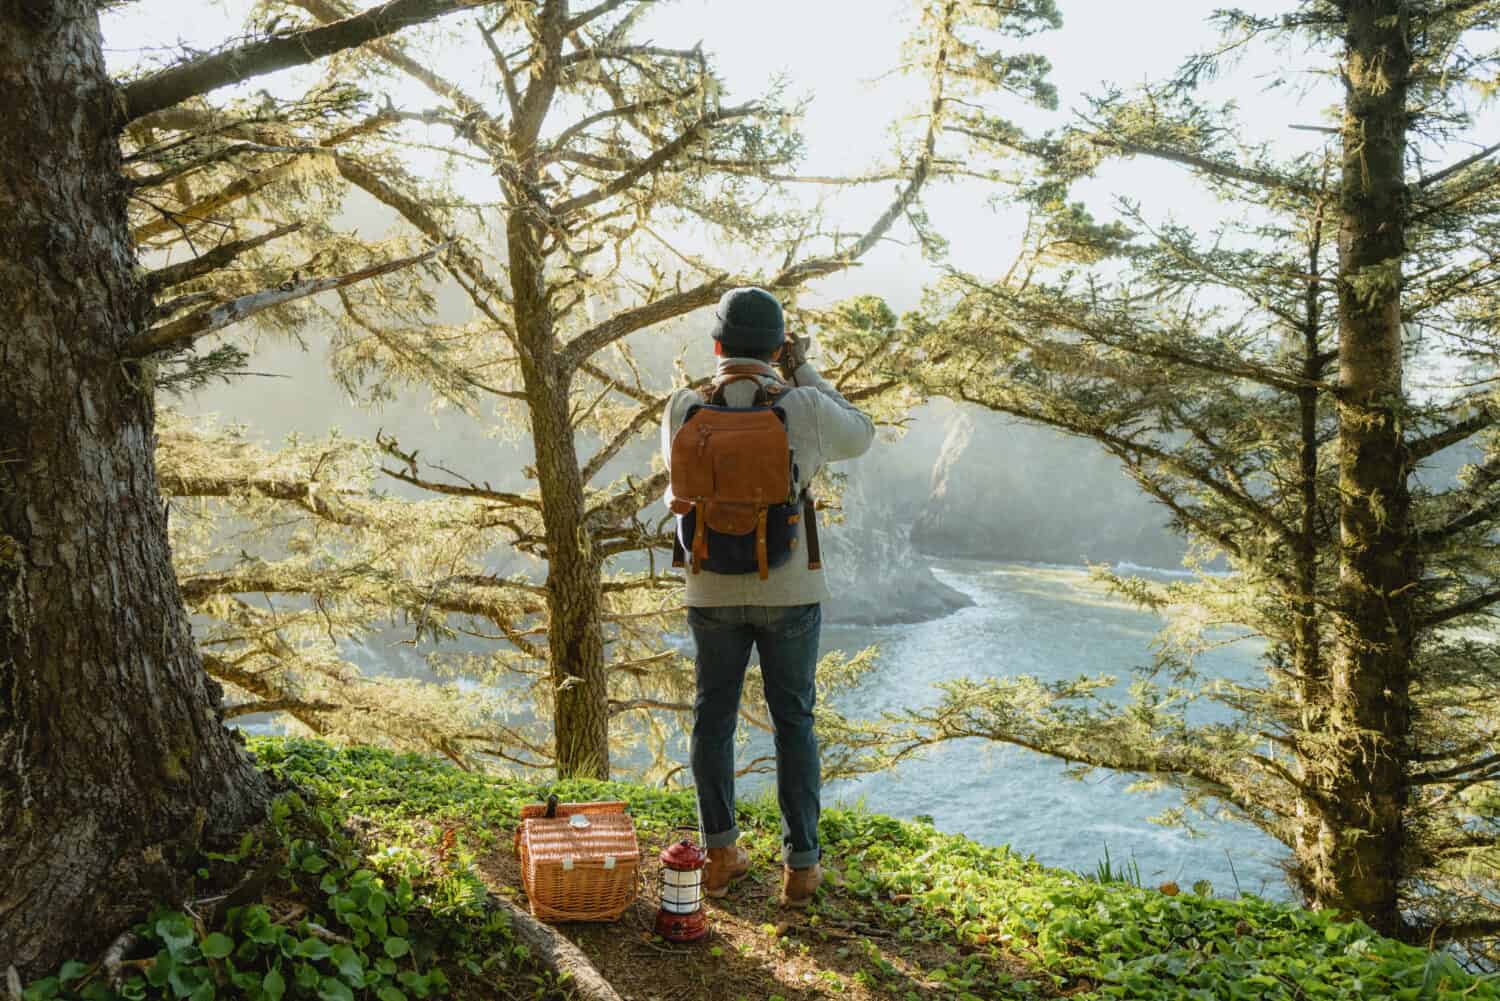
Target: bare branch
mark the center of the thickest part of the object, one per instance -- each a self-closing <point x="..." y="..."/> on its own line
<point x="180" y="333"/>
<point x="176" y="274"/>
<point x="1454" y="168"/>
<point x="178" y="83"/>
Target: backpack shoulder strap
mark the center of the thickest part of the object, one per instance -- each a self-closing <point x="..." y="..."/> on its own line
<point x="766" y="392"/>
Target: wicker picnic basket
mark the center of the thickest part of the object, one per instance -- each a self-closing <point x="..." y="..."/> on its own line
<point x="578" y="870"/>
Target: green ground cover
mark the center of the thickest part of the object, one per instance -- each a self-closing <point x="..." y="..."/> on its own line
<point x="363" y="885"/>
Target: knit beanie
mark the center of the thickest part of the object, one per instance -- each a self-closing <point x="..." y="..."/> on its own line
<point x="749" y="319"/>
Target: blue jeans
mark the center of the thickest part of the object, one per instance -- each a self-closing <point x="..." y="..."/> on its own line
<point x="787" y="638"/>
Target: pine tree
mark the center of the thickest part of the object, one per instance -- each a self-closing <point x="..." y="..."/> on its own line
<point x="1250" y="378"/>
<point x="111" y="735"/>
<point x="615" y="162"/>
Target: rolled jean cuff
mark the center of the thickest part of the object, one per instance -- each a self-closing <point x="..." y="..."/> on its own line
<point x="722" y="840"/>
<point x="803" y="860"/>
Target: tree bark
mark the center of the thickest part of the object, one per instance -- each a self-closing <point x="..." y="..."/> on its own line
<point x="1359" y="867"/>
<point x="575" y="569"/>
<point x="111" y="741"/>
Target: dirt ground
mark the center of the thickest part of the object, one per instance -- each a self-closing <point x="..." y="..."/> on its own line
<point x="757" y="950"/>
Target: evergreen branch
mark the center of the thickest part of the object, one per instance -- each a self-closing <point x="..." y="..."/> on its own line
<point x="456" y="490"/>
<point x="257" y="684"/>
<point x="617" y="706"/>
<point x="1443" y="932"/>
<point x="241" y="187"/>
<point x="626" y="52"/>
<point x="649" y="314"/>
<point x="293" y="706"/>
<point x="179" y="334"/>
<point x="308" y="494"/>
<point x="176" y="84"/>
<point x="623" y="388"/>
<point x="467" y="489"/>
<point x="628" y="502"/>
<point x="1470" y="519"/>
<point x="1478" y="603"/>
<point x="623" y="111"/>
<point x="1176" y="463"/>
<point x="1189" y="519"/>
<point x="644" y="417"/>
<point x="208" y="160"/>
<point x="508" y="79"/>
<point x="1445" y="775"/>
<point x="794" y="275"/>
<point x="223" y="254"/>
<point x="1421" y="448"/>
<point x="460" y="260"/>
<point x="1217" y="168"/>
<point x="1454" y="168"/>
<point x="584" y="18"/>
<point x="1233" y="368"/>
<point x="664" y="155"/>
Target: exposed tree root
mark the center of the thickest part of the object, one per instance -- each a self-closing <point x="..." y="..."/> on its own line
<point x="553" y="949"/>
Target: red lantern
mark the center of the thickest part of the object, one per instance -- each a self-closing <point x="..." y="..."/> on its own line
<point x="681" y="917"/>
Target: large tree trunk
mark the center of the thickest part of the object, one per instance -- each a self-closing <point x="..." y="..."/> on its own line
<point x="575" y="599"/>
<point x="110" y="739"/>
<point x="575" y="592"/>
<point x="1361" y="861"/>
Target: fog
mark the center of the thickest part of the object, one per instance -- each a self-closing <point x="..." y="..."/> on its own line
<point x="958" y="481"/>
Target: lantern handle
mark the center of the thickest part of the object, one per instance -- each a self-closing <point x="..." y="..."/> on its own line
<point x="691" y="828"/>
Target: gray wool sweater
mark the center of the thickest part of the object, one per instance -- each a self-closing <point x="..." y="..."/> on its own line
<point x="822" y="427"/>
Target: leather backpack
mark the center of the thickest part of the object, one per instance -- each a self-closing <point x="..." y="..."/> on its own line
<point x="734" y="483"/>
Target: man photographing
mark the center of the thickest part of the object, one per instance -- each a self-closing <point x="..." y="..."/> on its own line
<point x="742" y="453"/>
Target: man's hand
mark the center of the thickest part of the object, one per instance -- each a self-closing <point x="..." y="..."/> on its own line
<point x="793" y="355"/>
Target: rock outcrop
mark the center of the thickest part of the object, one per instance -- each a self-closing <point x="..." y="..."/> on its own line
<point x="874" y="572"/>
<point x="1002" y="490"/>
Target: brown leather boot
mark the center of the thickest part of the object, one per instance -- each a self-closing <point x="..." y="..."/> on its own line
<point x="725" y="865"/>
<point x="799" y="885"/>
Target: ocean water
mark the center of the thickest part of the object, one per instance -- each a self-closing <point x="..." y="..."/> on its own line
<point x="1051" y="622"/>
<point x="1047" y="621"/>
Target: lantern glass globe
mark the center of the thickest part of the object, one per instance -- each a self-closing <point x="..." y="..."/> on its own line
<point x="681" y="891"/>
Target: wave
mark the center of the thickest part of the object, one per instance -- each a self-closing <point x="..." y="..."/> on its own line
<point x="1125" y="566"/>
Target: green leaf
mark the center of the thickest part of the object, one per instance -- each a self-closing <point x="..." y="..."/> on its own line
<point x="273" y="984"/>
<point x="313" y="948"/>
<point x="333" y="989"/>
<point x="350" y="964"/>
<point x="307" y="976"/>
<point x="43" y="990"/>
<point x="175" y="932"/>
<point x="71" y="971"/>
<point x="389" y="993"/>
<point x="184" y="980"/>
<point x="217" y="946"/>
<point x="396" y="947"/>
<point x="160" y="969"/>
